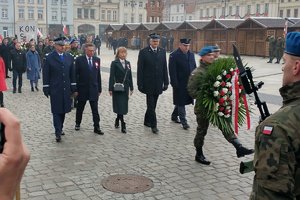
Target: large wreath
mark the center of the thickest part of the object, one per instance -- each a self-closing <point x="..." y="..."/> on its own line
<point x="222" y="96"/>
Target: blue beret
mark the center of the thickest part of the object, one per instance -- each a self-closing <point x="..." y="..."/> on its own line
<point x="185" y="41"/>
<point x="292" y="44"/>
<point x="205" y="50"/>
<point x="154" y="36"/>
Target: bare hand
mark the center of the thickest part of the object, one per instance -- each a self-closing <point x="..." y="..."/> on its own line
<point x="110" y="93"/>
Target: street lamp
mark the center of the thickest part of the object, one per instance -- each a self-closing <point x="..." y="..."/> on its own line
<point x="132" y="3"/>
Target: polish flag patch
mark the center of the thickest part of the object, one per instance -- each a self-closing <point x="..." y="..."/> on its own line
<point x="267" y="130"/>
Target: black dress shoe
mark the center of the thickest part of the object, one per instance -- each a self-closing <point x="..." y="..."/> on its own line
<point x="117" y="123"/>
<point x="123" y="127"/>
<point x="58" y="139"/>
<point x="147" y="124"/>
<point x="98" y="131"/>
<point x="154" y="130"/>
<point x="175" y="120"/>
<point x="201" y="159"/>
<point x="7" y="77"/>
<point x="32" y="89"/>
<point x="62" y="133"/>
<point x="185" y="126"/>
<point x="20" y="90"/>
<point x="77" y="127"/>
<point x="14" y="90"/>
<point x="36" y="88"/>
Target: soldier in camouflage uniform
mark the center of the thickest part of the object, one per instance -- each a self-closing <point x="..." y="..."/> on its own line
<point x="272" y="43"/>
<point x="279" y="48"/>
<point x="207" y="57"/>
<point x="277" y="138"/>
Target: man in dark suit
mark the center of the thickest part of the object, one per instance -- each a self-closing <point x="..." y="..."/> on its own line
<point x="5" y="49"/>
<point x="59" y="83"/>
<point x="88" y="78"/>
<point x="181" y="64"/>
<point x="152" y="77"/>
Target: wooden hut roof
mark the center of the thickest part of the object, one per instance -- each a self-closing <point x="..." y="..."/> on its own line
<point x="192" y="25"/>
<point x="223" y="23"/>
<point x="147" y="26"/>
<point x="264" y="22"/>
<point x="113" y="27"/>
<point x="129" y="27"/>
<point x="296" y="25"/>
<point x="168" y="25"/>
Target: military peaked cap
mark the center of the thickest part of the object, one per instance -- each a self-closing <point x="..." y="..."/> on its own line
<point x="185" y="41"/>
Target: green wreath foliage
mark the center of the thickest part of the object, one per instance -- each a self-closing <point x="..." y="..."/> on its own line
<point x="207" y="102"/>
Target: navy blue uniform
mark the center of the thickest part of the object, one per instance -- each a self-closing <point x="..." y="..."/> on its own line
<point x="59" y="83"/>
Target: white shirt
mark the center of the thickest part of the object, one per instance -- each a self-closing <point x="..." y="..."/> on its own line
<point x="123" y="63"/>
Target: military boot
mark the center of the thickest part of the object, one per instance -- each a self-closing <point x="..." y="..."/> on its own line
<point x="123" y="127"/>
<point x="200" y="158"/>
<point x="240" y="150"/>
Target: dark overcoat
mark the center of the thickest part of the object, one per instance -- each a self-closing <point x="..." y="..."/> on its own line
<point x="117" y="74"/>
<point x="59" y="81"/>
<point x="180" y="67"/>
<point x="152" y="71"/>
<point x="88" y="80"/>
<point x="33" y="65"/>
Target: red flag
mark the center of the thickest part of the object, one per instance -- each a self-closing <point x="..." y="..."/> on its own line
<point x="65" y="30"/>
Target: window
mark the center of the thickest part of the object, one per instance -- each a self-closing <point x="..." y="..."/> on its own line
<point x="207" y="12"/>
<point x="114" y="15"/>
<point x="64" y="16"/>
<point x="4" y="14"/>
<point x="85" y="13"/>
<point x="5" y="30"/>
<point x="132" y="17"/>
<point x="21" y="13"/>
<point x="64" y="2"/>
<point x="296" y="12"/>
<point x="237" y="12"/>
<point x="109" y="15"/>
<point x="40" y="14"/>
<point x="177" y="18"/>
<point x="282" y="1"/>
<point x="223" y="11"/>
<point x="54" y="15"/>
<point x="181" y="18"/>
<point x="201" y="13"/>
<point x="125" y="18"/>
<point x="190" y="17"/>
<point x="79" y="13"/>
<point x="40" y="2"/>
<point x="31" y="1"/>
<point x="257" y="8"/>
<point x="21" y="1"/>
<point x="230" y="10"/>
<point x="266" y="8"/>
<point x="281" y="13"/>
<point x="249" y="9"/>
<point x="92" y="14"/>
<point x="288" y="13"/>
<point x="215" y="12"/>
<point x="54" y="2"/>
<point x="140" y="4"/>
<point x="30" y="13"/>
<point x="177" y="8"/>
<point x="140" y="18"/>
<point x="103" y="13"/>
<point x="125" y="3"/>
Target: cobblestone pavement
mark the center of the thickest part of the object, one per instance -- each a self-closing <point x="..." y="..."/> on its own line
<point x="74" y="168"/>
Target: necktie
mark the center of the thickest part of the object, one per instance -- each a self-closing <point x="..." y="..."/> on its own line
<point x="90" y="63"/>
<point x="61" y="57"/>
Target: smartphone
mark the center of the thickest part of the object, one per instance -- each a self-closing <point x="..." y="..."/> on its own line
<point x="2" y="137"/>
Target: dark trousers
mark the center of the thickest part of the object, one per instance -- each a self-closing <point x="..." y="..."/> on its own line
<point x="58" y="120"/>
<point x="94" y="108"/>
<point x="7" y="66"/>
<point x="120" y="117"/>
<point x="17" y="75"/>
<point x="202" y="127"/>
<point x="179" y="111"/>
<point x="150" y="115"/>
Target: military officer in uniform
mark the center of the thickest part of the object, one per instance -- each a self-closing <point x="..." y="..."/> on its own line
<point x="59" y="83"/>
<point x="88" y="78"/>
<point x="152" y="77"/>
<point x="277" y="138"/>
<point x="272" y="44"/>
<point x="207" y="58"/>
<point x="181" y="64"/>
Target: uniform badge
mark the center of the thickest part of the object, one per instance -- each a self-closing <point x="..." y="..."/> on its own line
<point x="267" y="130"/>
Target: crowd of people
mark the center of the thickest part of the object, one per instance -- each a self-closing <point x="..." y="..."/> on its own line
<point x="77" y="74"/>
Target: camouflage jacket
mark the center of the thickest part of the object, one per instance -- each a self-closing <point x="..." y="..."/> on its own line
<point x="193" y="83"/>
<point x="277" y="150"/>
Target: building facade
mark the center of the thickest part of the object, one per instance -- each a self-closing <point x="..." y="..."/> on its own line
<point x="179" y="10"/>
<point x="133" y="11"/>
<point x="289" y="8"/>
<point x="154" y="9"/>
<point x="7" y="18"/>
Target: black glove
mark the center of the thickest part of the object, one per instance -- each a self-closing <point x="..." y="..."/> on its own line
<point x="165" y="87"/>
<point x="10" y="69"/>
<point x="46" y="92"/>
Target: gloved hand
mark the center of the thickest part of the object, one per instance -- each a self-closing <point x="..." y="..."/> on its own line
<point x="10" y="69"/>
<point x="46" y="92"/>
<point x="165" y="87"/>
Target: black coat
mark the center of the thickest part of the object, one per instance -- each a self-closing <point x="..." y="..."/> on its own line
<point x="88" y="81"/>
<point x="18" y="58"/>
<point x="59" y="81"/>
<point x="180" y="67"/>
<point x="117" y="74"/>
<point x="152" y="71"/>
